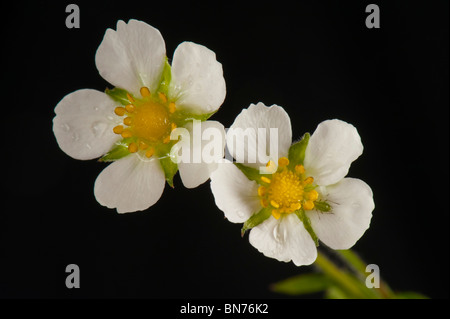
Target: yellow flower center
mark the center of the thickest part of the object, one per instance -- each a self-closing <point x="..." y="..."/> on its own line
<point x="147" y="120"/>
<point x="287" y="191"/>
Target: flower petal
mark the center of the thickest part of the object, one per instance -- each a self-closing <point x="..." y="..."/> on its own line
<point x="83" y="124"/>
<point x="197" y="81"/>
<point x="130" y="184"/>
<point x="352" y="204"/>
<point x="234" y="194"/>
<point x="242" y="137"/>
<point x="332" y="148"/>
<point x="206" y="150"/>
<point x="284" y="239"/>
<point x="131" y="57"/>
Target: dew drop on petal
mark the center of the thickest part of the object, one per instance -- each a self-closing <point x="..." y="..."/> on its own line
<point x="98" y="128"/>
<point x="279" y="233"/>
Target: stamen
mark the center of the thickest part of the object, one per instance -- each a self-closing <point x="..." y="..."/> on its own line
<point x="127" y="121"/>
<point x="308" y="205"/>
<point x="261" y="190"/>
<point x="173" y="126"/>
<point x="130" y="98"/>
<point x="264" y="202"/>
<point x="142" y="145"/>
<point x="132" y="148"/>
<point x="172" y="107"/>
<point x="118" y="129"/>
<point x="269" y="163"/>
<point x="299" y="169"/>
<point x="166" y="140"/>
<point x="283" y="161"/>
<point x="145" y="91"/>
<point x="274" y="204"/>
<point x="130" y="108"/>
<point x="276" y="214"/>
<point x="126" y="134"/>
<point x="120" y="111"/>
<point x="162" y="97"/>
<point x="312" y="195"/>
<point x="265" y="179"/>
<point x="308" y="180"/>
<point x="295" y="206"/>
<point x="150" y="152"/>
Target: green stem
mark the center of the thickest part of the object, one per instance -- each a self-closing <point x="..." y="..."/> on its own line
<point x="343" y="279"/>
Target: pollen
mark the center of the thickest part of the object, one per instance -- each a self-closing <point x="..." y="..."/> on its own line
<point x="265" y="179"/>
<point x="283" y="161"/>
<point x="172" y="107"/>
<point x="162" y="97"/>
<point x="120" y="111"/>
<point x="132" y="148"/>
<point x="118" y="129"/>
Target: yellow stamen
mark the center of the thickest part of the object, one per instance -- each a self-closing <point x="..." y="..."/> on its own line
<point x="142" y="145"/>
<point x="283" y="161"/>
<point x="162" y="97"/>
<point x="127" y="121"/>
<point x="145" y="91"/>
<point x="120" y="111"/>
<point x="118" y="129"/>
<point x="308" y="205"/>
<point x="274" y="204"/>
<point x="295" y="206"/>
<point x="130" y="98"/>
<point x="126" y="134"/>
<point x="130" y="108"/>
<point x="276" y="214"/>
<point x="173" y="126"/>
<point x="312" y="195"/>
<point x="308" y="180"/>
<point x="172" y="107"/>
<point x="166" y="139"/>
<point x="265" y="180"/>
<point x="150" y="152"/>
<point x="269" y="163"/>
<point x="261" y="190"/>
<point x="132" y="148"/>
<point x="264" y="202"/>
<point x="299" y="169"/>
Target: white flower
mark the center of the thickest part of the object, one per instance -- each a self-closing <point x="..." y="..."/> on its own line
<point x="307" y="197"/>
<point x="131" y="124"/>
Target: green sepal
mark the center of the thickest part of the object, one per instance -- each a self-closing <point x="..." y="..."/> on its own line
<point x="296" y="154"/>
<point x="322" y="206"/>
<point x="182" y="117"/>
<point x="119" y="95"/>
<point x="170" y="168"/>
<point x="307" y="224"/>
<point x="250" y="172"/>
<point x="303" y="284"/>
<point x="256" y="219"/>
<point x="118" y="151"/>
<point x="166" y="77"/>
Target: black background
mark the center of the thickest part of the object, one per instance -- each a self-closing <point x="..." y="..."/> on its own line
<point x="318" y="61"/>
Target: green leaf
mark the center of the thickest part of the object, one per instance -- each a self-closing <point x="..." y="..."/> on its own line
<point x="297" y="150"/>
<point x="119" y="95"/>
<point x="307" y="224"/>
<point x="334" y="292"/>
<point x="119" y="150"/>
<point x="303" y="284"/>
<point x="410" y="295"/>
<point x="250" y="172"/>
<point x="170" y="168"/>
<point x="256" y="219"/>
<point x="166" y="77"/>
<point x="322" y="206"/>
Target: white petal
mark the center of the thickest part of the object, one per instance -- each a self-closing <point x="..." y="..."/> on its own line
<point x="332" y="148"/>
<point x="131" y="57"/>
<point x="234" y="194"/>
<point x="204" y="152"/>
<point x="83" y="124"/>
<point x="352" y="205"/>
<point x="242" y="137"/>
<point x="130" y="184"/>
<point x="197" y="81"/>
<point x="284" y="239"/>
